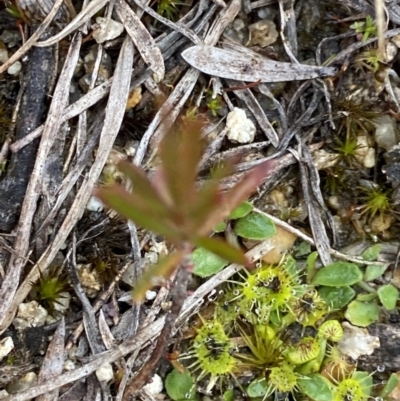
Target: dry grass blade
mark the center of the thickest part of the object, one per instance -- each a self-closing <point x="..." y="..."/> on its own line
<point x="53" y="362"/>
<point x="144" y="42"/>
<point x="33" y="39"/>
<point x="52" y="124"/>
<point x="231" y="64"/>
<point x="114" y="114"/>
<point x="84" y="16"/>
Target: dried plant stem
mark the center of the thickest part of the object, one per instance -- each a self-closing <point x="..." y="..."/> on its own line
<point x="178" y="294"/>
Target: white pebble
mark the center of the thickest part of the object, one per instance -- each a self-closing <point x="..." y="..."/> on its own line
<point x="15" y="68"/>
<point x="150" y="295"/>
<point x="6" y="346"/>
<point x="241" y="129"/>
<point x="155" y="386"/>
<point x="105" y="373"/>
<point x="107" y="29"/>
<point x="95" y="204"/>
<point x="3" y="394"/>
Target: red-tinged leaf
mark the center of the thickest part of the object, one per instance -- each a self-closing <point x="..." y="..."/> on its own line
<point x="208" y="196"/>
<point x="142" y="185"/>
<point x="223" y="250"/>
<point x="134" y="208"/>
<point x="233" y="198"/>
<point x="180" y="152"/>
<point x="157" y="274"/>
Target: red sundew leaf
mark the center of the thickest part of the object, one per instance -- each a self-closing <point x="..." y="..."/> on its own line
<point x="232" y="199"/>
<point x="139" y="211"/>
<point x="180" y="152"/>
<point x="156" y="274"/>
<point x="223" y="250"/>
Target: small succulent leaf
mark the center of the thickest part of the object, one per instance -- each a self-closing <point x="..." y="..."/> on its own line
<point x="229" y="395"/>
<point x="255" y="226"/>
<point x="390" y="385"/>
<point x="316" y="387"/>
<point x="233" y="198"/>
<point x="180" y="386"/>
<point x="142" y="185"/>
<point x="388" y="295"/>
<point x="337" y="297"/>
<point x="257" y="388"/>
<point x="372" y="272"/>
<point x="362" y="313"/>
<point x="220" y="227"/>
<point x="223" y="250"/>
<point x="180" y="152"/>
<point x="363" y="297"/>
<point x="242" y="210"/>
<point x="338" y="274"/>
<point x="157" y="274"/>
<point x="206" y="263"/>
<point x="372" y="252"/>
<point x="134" y="208"/>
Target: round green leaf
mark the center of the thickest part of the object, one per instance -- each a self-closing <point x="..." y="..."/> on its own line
<point x="388" y="295"/>
<point x="220" y="227"/>
<point x="390" y="385"/>
<point x="207" y="263"/>
<point x="242" y="210"/>
<point x="180" y="386"/>
<point x="362" y="313"/>
<point x="338" y="274"/>
<point x="367" y="297"/>
<point x="372" y="252"/>
<point x="316" y="387"/>
<point x="257" y="388"/>
<point x="229" y="395"/>
<point x="337" y="297"/>
<point x="255" y="226"/>
<point x="374" y="271"/>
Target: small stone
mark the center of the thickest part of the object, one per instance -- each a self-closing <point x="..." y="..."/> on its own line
<point x="324" y="160"/>
<point x="357" y="341"/>
<point x="106" y="29"/>
<point x="385" y="133"/>
<point x="30" y="314"/>
<point x="263" y="33"/>
<point x="155" y="385"/>
<point x="241" y="129"/>
<point x="89" y="279"/>
<point x="22" y="384"/>
<point x="391" y="52"/>
<point x="68" y="366"/>
<point x="3" y="53"/>
<point x="105" y="373"/>
<point x="3" y="394"/>
<point x="6" y="346"/>
<point x="15" y="68"/>
<point x="370" y="159"/>
<point x="95" y="204"/>
<point x="150" y="295"/>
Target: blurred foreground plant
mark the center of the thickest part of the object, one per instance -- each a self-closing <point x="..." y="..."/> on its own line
<point x="173" y="205"/>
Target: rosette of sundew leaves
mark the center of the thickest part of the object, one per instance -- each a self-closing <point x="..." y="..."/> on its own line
<point x="212" y="353"/>
<point x="172" y="204"/>
<point x="257" y="294"/>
